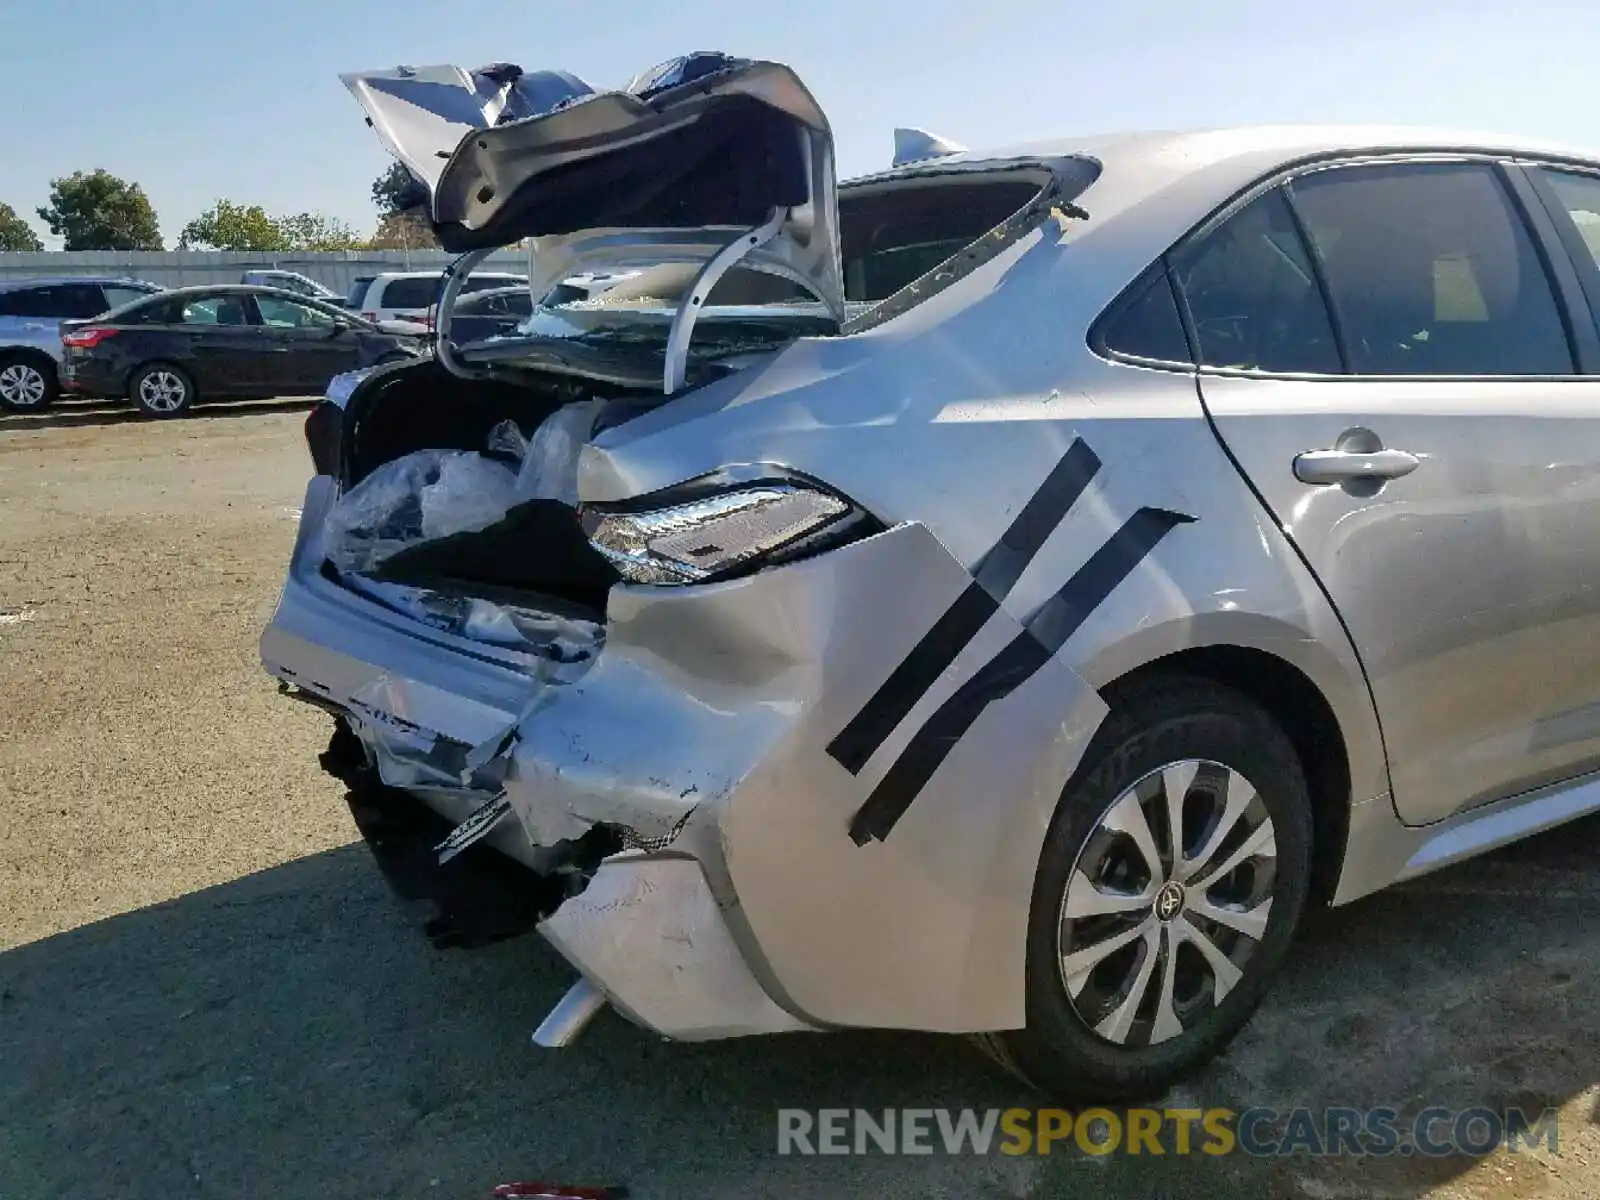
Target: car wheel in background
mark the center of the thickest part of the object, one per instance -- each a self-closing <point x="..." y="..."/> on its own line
<point x="27" y="382"/>
<point x="161" y="390"/>
<point x="1172" y="880"/>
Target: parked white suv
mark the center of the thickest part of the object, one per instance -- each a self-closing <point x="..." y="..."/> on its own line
<point x="409" y="295"/>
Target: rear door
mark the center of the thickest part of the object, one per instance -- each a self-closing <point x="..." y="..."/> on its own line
<point x="306" y="346"/>
<point x="1390" y="357"/>
<point x="216" y="338"/>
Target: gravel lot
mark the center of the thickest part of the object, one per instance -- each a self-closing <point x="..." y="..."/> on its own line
<point x="205" y="989"/>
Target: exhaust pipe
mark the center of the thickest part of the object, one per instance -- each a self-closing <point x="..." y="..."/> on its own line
<point x="570" y="1016"/>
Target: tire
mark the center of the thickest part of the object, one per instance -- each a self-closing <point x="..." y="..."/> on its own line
<point x="28" y="382"/>
<point x="1085" y="1041"/>
<point x="161" y="390"/>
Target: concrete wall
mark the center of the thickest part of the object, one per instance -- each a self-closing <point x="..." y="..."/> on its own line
<point x="182" y="268"/>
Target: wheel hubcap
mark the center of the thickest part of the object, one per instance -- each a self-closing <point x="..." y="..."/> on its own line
<point x="162" y="391"/>
<point x="1167" y="902"/>
<point x="22" y="385"/>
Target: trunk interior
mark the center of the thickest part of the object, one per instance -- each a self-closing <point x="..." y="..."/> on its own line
<point x="536" y="554"/>
<point x="895" y="231"/>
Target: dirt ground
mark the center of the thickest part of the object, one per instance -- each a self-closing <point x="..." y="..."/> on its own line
<point x="205" y="989"/>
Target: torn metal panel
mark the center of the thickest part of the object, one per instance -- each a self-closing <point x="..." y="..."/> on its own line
<point x="713" y="707"/>
<point x="650" y="933"/>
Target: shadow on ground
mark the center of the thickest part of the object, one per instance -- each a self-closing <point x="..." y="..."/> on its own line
<point x="287" y="1035"/>
<point x="75" y="414"/>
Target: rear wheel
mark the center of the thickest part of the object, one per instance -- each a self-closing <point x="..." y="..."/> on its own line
<point x="27" y="382"/>
<point x="1172" y="880"/>
<point x="161" y="390"/>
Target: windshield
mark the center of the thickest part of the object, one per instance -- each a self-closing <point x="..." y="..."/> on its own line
<point x="358" y="291"/>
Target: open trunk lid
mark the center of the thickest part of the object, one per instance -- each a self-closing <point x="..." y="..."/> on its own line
<point x="680" y="165"/>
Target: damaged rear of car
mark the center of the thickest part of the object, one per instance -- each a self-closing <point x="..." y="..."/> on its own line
<point x="717" y="626"/>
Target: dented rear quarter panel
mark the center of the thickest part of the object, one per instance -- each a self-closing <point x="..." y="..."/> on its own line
<point x="946" y="423"/>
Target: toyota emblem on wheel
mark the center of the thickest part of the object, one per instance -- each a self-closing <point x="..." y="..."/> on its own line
<point x="1169" y="902"/>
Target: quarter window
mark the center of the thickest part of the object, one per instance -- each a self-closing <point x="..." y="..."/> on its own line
<point x="1253" y="296"/>
<point x="1580" y="196"/>
<point x="1432" y="271"/>
<point x="1147" y="325"/>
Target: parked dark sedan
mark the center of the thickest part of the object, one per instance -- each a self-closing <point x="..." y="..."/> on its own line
<point x="167" y="351"/>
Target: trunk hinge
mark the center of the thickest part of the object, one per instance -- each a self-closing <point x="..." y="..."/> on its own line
<point x="718" y="265"/>
<point x="455" y="275"/>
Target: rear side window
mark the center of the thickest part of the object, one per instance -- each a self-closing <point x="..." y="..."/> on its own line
<point x="1146" y="325"/>
<point x="57" y="301"/>
<point x="156" y="313"/>
<point x="1580" y="196"/>
<point x="409" y="293"/>
<point x="1432" y="271"/>
<point x="358" y="292"/>
<point x="1253" y="296"/>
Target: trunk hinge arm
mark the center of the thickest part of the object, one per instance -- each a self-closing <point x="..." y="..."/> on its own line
<point x="718" y="265"/>
<point x="455" y="276"/>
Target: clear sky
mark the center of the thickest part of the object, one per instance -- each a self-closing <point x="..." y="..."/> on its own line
<point x="200" y="99"/>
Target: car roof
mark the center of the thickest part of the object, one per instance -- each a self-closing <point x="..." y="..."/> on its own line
<point x="31" y="281"/>
<point x="386" y="275"/>
<point x="237" y="289"/>
<point x="1175" y="177"/>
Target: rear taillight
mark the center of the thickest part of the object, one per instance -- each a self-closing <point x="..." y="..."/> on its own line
<point x="370" y="316"/>
<point x="86" y="339"/>
<point x="324" y="429"/>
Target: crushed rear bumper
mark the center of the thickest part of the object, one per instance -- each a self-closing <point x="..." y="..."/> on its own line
<point x="751" y="892"/>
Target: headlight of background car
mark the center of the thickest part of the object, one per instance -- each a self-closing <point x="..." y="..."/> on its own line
<point x="721" y="533"/>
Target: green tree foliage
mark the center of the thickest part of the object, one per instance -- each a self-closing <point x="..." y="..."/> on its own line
<point x="229" y="226"/>
<point x="15" y="233"/>
<point x="313" y="231"/>
<point x="394" y="191"/>
<point x="97" y="211"/>
<point x="404" y="231"/>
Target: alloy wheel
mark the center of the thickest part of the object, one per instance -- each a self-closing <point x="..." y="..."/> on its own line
<point x="162" y="391"/>
<point x="1168" y="900"/>
<point x="22" y="385"/>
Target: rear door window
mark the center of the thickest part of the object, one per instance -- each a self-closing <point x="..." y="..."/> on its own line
<point x="286" y="314"/>
<point x="215" y="310"/>
<point x="1432" y="271"/>
<point x="1253" y="295"/>
<point x="409" y="293"/>
<point x="61" y="301"/>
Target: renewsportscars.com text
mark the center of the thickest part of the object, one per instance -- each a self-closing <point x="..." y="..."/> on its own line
<point x="1258" y="1132"/>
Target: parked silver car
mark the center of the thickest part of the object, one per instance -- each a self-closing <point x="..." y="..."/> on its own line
<point x="1117" y="546"/>
<point x="31" y="312"/>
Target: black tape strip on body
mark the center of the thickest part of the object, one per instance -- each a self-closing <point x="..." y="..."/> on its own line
<point x="996" y="574"/>
<point x="1044" y="635"/>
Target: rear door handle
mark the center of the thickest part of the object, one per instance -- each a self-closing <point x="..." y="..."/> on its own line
<point x="1343" y="466"/>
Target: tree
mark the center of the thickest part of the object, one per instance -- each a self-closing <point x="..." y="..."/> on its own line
<point x="404" y="231"/>
<point x="395" y="191"/>
<point x="313" y="231"/>
<point x="97" y="211"/>
<point x="230" y="226"/>
<point x="15" y="233"/>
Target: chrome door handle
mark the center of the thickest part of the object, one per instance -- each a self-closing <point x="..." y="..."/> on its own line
<point x="1342" y="466"/>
